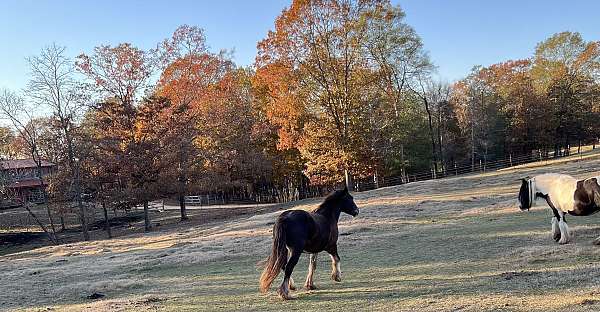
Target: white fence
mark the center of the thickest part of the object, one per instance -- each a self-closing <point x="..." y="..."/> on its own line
<point x="204" y="200"/>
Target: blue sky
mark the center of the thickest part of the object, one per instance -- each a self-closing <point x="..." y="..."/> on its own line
<point x="458" y="34"/>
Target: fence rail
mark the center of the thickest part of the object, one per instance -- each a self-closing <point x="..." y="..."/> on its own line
<point x="457" y="170"/>
<point x="207" y="199"/>
<point x="274" y="195"/>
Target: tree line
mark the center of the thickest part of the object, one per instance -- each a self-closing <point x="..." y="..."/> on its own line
<point x="340" y="90"/>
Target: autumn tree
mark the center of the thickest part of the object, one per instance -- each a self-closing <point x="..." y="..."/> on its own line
<point x="565" y="69"/>
<point x="119" y="75"/>
<point x="189" y="70"/>
<point x="21" y="117"/>
<point x="52" y="86"/>
<point x="315" y="64"/>
<point x="7" y="143"/>
<point x="477" y="110"/>
<point x="146" y="153"/>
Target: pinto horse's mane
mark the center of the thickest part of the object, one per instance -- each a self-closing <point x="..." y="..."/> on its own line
<point x="330" y="200"/>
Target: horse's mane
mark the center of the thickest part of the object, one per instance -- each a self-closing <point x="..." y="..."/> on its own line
<point x="329" y="200"/>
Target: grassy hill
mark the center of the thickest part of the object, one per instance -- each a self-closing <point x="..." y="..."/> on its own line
<point x="457" y="244"/>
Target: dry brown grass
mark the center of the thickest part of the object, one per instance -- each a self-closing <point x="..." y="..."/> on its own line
<point x="458" y="244"/>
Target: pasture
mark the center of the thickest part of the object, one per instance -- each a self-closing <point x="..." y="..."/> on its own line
<point x="457" y="244"/>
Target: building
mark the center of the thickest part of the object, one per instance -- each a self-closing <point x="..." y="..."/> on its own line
<point x="21" y="181"/>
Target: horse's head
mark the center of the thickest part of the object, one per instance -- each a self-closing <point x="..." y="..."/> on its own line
<point x="525" y="199"/>
<point x="346" y="202"/>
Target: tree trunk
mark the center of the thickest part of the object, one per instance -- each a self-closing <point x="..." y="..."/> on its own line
<point x="472" y="148"/>
<point x="106" y="220"/>
<point x="431" y="135"/>
<point x="485" y="154"/>
<point x="182" y="206"/>
<point x="37" y="159"/>
<point x="440" y="140"/>
<point x="74" y="166"/>
<point x="62" y="222"/>
<point x="376" y="180"/>
<point x="402" y="168"/>
<point x="83" y="218"/>
<point x="50" y="219"/>
<point x="348" y="180"/>
<point x="41" y="225"/>
<point x="147" y="224"/>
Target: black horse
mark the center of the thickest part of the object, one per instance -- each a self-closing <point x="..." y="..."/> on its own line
<point x="296" y="231"/>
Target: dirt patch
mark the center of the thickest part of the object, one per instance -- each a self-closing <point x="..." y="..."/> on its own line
<point x="510" y="275"/>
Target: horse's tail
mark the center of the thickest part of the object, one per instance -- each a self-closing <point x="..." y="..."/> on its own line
<point x="277" y="259"/>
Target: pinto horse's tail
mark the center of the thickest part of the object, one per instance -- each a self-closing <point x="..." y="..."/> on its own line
<point x="277" y="259"/>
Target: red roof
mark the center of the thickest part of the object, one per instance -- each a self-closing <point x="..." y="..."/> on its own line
<point x="25" y="183"/>
<point x="22" y="163"/>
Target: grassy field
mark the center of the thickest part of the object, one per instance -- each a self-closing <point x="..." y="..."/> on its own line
<point x="458" y="244"/>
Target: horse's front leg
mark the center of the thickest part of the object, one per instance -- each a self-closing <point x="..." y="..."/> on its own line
<point x="284" y="289"/>
<point x="560" y="229"/>
<point x="565" y="235"/>
<point x="291" y="284"/>
<point x="555" y="229"/>
<point x="336" y="273"/>
<point x="312" y="266"/>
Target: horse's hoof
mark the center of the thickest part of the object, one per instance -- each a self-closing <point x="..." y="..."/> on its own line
<point x="556" y="237"/>
<point x="292" y="287"/>
<point x="284" y="295"/>
<point x="310" y="287"/>
<point x="563" y="242"/>
<point x="336" y="277"/>
<point x="596" y="241"/>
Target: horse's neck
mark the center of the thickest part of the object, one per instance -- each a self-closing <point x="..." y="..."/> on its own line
<point x="329" y="212"/>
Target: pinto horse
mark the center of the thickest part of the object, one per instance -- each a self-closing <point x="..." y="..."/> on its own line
<point x="565" y="195"/>
<point x="296" y="231"/>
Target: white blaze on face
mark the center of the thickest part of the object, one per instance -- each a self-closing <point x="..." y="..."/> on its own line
<point x="532" y="192"/>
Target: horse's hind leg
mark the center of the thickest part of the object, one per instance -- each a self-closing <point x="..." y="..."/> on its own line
<point x="312" y="266"/>
<point x="284" y="290"/>
<point x="291" y="284"/>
